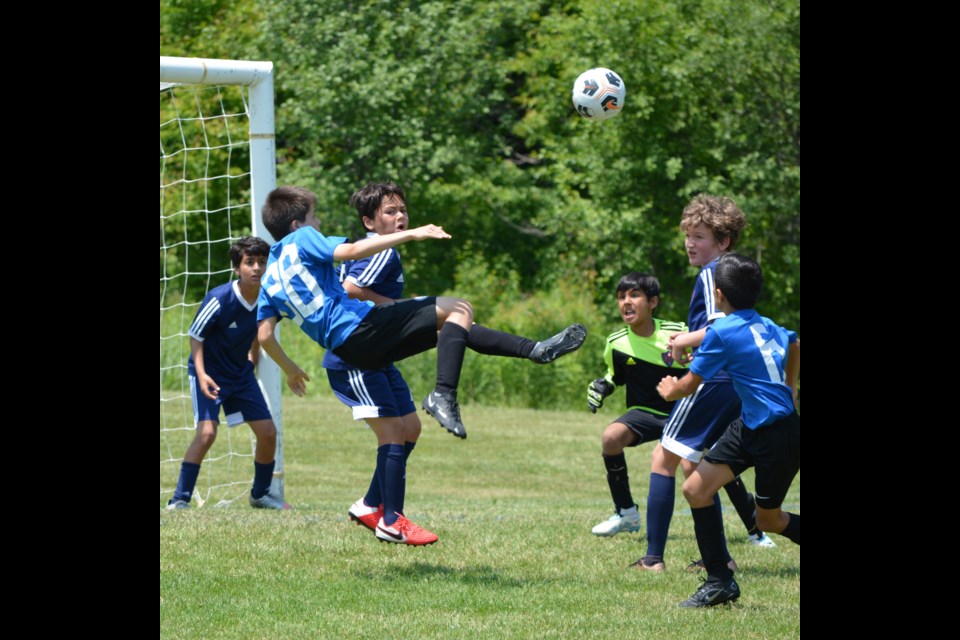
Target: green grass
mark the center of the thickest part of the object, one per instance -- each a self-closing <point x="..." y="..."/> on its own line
<point x="513" y="506"/>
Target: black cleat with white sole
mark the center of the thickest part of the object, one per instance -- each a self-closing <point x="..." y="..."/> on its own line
<point x="565" y="342"/>
<point x="444" y="407"/>
<point x="713" y="592"/>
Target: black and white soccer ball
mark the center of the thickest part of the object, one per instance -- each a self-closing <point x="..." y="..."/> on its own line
<point x="599" y="94"/>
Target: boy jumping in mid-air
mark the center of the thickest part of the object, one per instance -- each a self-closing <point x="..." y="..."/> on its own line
<point x="763" y="361"/>
<point x="223" y="353"/>
<point x="302" y="284"/>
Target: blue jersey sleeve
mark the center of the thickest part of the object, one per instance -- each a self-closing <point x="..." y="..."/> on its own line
<point x="265" y="308"/>
<point x="381" y="273"/>
<point x="206" y="317"/>
<point x="710" y="359"/>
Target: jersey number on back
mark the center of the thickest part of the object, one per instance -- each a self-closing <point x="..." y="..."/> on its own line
<point x="771" y="352"/>
<point x="284" y="280"/>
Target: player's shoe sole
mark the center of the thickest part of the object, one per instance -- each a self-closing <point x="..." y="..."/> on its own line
<point x="568" y="340"/>
<point x="444" y="408"/>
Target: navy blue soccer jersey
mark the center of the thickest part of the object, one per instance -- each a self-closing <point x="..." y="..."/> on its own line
<point x="752" y="349"/>
<point x="226" y="324"/>
<point x="703" y="303"/>
<point x="302" y="284"/>
<point x="381" y="273"/>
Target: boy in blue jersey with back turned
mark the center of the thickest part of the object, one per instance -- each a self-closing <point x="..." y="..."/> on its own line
<point x="223" y="353"/>
<point x="381" y="397"/>
<point x="301" y="283"/>
<point x="763" y="360"/>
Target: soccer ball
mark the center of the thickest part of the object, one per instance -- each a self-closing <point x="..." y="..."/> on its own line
<point x="599" y="94"/>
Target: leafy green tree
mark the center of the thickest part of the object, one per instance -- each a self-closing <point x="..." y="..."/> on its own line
<point x="467" y="106"/>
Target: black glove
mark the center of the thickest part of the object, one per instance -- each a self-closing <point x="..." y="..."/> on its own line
<point x="597" y="391"/>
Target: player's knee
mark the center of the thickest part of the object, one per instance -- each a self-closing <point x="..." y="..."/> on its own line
<point x="267" y="433"/>
<point x="611" y="441"/>
<point x="206" y="438"/>
<point x="696" y="493"/>
<point x="411" y="433"/>
<point x="464" y="308"/>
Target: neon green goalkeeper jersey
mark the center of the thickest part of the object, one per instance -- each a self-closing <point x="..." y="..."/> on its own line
<point x="640" y="364"/>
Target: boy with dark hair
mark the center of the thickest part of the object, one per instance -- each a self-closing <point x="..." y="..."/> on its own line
<point x="302" y="284"/>
<point x="763" y="360"/>
<point x="712" y="227"/>
<point x="223" y="353"/>
<point x="381" y="397"/>
<point x="638" y="357"/>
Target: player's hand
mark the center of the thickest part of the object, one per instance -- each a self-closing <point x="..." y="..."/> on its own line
<point x="666" y="386"/>
<point x="429" y="231"/>
<point x="208" y="387"/>
<point x="596" y="392"/>
<point x="297" y="381"/>
<point x="680" y="355"/>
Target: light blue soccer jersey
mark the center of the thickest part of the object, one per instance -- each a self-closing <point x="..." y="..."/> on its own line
<point x="752" y="349"/>
<point x="301" y="283"/>
<point x="382" y="273"/>
<point x="226" y="324"/>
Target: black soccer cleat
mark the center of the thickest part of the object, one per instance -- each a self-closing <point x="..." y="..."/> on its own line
<point x="444" y="407"/>
<point x="711" y="593"/>
<point x="563" y="343"/>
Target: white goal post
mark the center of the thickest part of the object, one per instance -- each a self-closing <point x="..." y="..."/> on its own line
<point x="214" y="177"/>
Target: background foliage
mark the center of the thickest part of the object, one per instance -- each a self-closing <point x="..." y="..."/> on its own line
<point x="467" y="106"/>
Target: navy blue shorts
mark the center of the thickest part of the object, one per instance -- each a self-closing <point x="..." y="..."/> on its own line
<point x="241" y="403"/>
<point x="378" y="393"/>
<point x="648" y="427"/>
<point x="698" y="421"/>
<point x="773" y="449"/>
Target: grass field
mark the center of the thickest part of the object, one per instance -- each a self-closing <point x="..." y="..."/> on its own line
<point x="513" y="506"/>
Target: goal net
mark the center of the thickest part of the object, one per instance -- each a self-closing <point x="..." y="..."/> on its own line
<point x="217" y="164"/>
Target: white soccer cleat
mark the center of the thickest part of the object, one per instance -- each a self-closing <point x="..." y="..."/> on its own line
<point x="627" y="520"/>
<point x="177" y="504"/>
<point x="761" y="540"/>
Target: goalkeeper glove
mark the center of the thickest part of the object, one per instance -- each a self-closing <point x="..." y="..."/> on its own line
<point x="597" y="391"/>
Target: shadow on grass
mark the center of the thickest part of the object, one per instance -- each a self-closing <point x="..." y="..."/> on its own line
<point x="473" y="576"/>
<point x="769" y="572"/>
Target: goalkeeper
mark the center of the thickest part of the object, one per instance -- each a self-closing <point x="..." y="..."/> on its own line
<point x="637" y="356"/>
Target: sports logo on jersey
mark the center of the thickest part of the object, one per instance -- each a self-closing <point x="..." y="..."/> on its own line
<point x="667" y="358"/>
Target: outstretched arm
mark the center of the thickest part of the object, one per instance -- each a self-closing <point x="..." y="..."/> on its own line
<point x="369" y="246"/>
<point x="297" y="378"/>
<point x="672" y="389"/>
